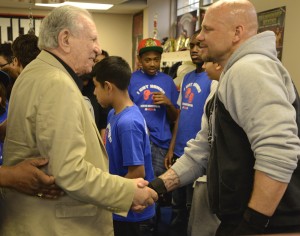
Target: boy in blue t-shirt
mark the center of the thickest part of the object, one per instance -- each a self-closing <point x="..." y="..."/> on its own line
<point x="127" y="139"/>
<point x="155" y="94"/>
<point x="4" y="82"/>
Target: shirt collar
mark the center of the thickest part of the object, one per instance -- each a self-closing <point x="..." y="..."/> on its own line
<point x="74" y="76"/>
<point x="147" y="74"/>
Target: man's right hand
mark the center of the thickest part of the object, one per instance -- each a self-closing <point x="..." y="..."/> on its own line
<point x="26" y="177"/>
<point x="143" y="196"/>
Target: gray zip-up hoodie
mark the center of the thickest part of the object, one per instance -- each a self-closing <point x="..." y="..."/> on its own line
<point x="256" y="95"/>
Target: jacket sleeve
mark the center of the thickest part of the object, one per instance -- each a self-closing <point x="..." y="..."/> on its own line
<point x="259" y="94"/>
<point x="62" y="137"/>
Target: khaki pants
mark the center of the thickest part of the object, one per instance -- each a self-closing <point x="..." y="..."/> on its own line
<point x="202" y="222"/>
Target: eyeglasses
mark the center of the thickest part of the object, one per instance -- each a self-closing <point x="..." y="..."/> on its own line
<point x="1" y="66"/>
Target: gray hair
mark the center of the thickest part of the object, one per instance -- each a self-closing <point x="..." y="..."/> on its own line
<point x="65" y="17"/>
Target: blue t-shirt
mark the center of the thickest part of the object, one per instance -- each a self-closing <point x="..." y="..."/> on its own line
<point x="140" y="90"/>
<point x="3" y="117"/>
<point x="127" y="144"/>
<point x="193" y="94"/>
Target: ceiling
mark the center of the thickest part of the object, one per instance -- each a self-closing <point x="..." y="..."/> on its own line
<point x="120" y="6"/>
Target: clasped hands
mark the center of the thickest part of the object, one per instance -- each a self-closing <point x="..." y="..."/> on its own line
<point x="143" y="196"/>
<point x="26" y="177"/>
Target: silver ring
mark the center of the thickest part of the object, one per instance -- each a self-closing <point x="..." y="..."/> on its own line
<point x="40" y="194"/>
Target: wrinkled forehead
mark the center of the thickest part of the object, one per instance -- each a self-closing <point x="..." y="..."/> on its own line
<point x="86" y="24"/>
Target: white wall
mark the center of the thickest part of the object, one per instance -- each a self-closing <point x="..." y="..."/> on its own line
<point x="115" y="31"/>
<point x="115" y="34"/>
<point x="163" y="10"/>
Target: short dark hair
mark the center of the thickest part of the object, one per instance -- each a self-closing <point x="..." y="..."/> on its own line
<point x="25" y="48"/>
<point x="113" y="69"/>
<point x="2" y="96"/>
<point x="4" y="82"/>
<point x="6" y="52"/>
<point x="195" y="34"/>
<point x="104" y="53"/>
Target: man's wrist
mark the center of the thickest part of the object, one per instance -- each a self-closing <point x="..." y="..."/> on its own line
<point x="158" y="185"/>
<point x="256" y="218"/>
<point x="4" y="177"/>
<point x="169" y="104"/>
<point x="252" y="223"/>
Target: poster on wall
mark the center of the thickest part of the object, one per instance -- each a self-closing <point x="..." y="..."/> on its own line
<point x="137" y="36"/>
<point x="202" y="14"/>
<point x="273" y="20"/>
<point x="186" y="24"/>
<point x="206" y="2"/>
<point x="186" y="27"/>
<point x="11" y="26"/>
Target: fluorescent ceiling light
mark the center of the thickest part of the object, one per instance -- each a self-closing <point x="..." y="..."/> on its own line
<point x="89" y="6"/>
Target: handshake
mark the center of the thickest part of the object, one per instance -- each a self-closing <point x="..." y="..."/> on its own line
<point x="147" y="193"/>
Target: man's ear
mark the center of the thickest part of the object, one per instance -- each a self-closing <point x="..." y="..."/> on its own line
<point x="16" y="62"/>
<point x="139" y="58"/>
<point x="64" y="40"/>
<point x="108" y="86"/>
<point x="239" y="30"/>
<point x="218" y="67"/>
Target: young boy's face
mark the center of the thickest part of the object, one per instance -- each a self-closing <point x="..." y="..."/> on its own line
<point x="101" y="94"/>
<point x="213" y="70"/>
<point x="150" y="62"/>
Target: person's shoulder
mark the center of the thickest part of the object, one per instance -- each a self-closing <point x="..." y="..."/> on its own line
<point x="38" y="68"/>
<point x="204" y="76"/>
<point x="136" y="73"/>
<point x="136" y="111"/>
<point x="163" y="74"/>
<point x="110" y="113"/>
<point x="189" y="74"/>
<point x="165" y="77"/>
<point x="131" y="119"/>
<point x="132" y="114"/>
<point x="136" y="76"/>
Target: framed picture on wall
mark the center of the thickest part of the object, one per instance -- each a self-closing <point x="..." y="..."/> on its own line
<point x="186" y="27"/>
<point x="137" y="36"/>
<point x="14" y="25"/>
<point x="186" y="24"/>
<point x="202" y="14"/>
<point x="273" y="20"/>
<point x="206" y="2"/>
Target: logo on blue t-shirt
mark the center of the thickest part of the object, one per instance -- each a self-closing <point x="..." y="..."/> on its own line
<point x="108" y="132"/>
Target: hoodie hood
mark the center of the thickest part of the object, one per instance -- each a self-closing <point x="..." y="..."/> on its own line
<point x="263" y="43"/>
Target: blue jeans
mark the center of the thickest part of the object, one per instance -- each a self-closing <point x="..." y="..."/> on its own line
<point x="158" y="159"/>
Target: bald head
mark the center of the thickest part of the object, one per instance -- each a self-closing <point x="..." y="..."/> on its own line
<point x="237" y="12"/>
<point x="226" y="25"/>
